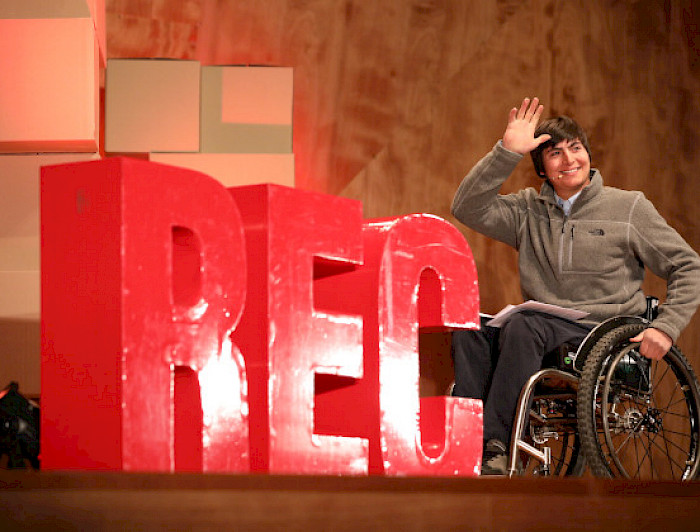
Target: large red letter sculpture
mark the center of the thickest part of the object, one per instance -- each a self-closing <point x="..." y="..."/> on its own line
<point x="294" y="239"/>
<point x="404" y="251"/>
<point x="418" y="273"/>
<point x="144" y="277"/>
<point x="143" y="270"/>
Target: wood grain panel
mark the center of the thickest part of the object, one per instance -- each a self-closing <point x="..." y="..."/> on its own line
<point x="465" y="114"/>
<point x="135" y="501"/>
<point x="396" y="100"/>
<point x="146" y="37"/>
<point x="622" y="70"/>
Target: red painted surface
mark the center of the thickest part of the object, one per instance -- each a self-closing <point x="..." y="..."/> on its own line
<point x="152" y="299"/>
<point x="143" y="270"/>
<point x="418" y="273"/>
<point x="296" y="239"/>
<point x="426" y="277"/>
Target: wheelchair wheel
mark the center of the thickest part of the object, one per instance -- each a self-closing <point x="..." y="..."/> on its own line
<point x="638" y="418"/>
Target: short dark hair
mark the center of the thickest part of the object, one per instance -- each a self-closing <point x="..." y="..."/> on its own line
<point x="559" y="128"/>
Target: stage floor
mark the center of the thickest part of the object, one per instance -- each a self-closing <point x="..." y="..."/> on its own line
<point x="184" y="501"/>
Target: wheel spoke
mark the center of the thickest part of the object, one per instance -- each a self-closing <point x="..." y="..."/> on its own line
<point x="654" y="368"/>
<point x="666" y="451"/>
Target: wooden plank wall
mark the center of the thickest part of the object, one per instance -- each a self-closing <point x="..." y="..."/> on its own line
<point x="396" y="99"/>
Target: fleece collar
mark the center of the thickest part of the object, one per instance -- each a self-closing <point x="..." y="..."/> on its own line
<point x="547" y="190"/>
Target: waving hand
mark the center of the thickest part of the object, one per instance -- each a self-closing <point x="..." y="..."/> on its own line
<point x="519" y="136"/>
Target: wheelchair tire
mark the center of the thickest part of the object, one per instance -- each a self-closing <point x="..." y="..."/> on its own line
<point x="638" y="418"/>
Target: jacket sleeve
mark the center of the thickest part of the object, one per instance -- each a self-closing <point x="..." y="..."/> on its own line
<point x="477" y="203"/>
<point x="669" y="256"/>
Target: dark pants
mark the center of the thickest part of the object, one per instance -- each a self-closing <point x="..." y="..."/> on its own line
<point x="494" y="364"/>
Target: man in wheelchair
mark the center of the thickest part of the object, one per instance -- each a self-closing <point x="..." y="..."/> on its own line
<point x="581" y="245"/>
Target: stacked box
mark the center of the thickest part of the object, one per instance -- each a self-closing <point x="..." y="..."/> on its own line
<point x="246" y="109"/>
<point x="245" y="127"/>
<point x="236" y="169"/>
<point x="152" y="105"/>
<point x="49" y="90"/>
<point x="53" y="9"/>
<point x="49" y="101"/>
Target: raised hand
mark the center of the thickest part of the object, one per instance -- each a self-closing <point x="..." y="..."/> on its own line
<point x="519" y="136"/>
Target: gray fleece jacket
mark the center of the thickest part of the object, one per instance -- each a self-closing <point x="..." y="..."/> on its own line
<point x="593" y="260"/>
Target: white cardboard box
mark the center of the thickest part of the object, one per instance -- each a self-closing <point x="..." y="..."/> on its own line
<point x="49" y="86"/>
<point x="46" y="9"/>
<point x="246" y="109"/>
<point x="236" y="169"/>
<point x="152" y="105"/>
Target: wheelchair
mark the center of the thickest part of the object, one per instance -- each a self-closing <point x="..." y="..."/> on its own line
<point x="606" y="407"/>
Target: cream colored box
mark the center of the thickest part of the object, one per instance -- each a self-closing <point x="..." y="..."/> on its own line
<point x="236" y="169"/>
<point x="20" y="208"/>
<point x="45" y="9"/>
<point x="49" y="86"/>
<point x="152" y="105"/>
<point x="246" y="109"/>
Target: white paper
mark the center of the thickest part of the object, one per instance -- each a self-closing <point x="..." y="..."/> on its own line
<point x="504" y="315"/>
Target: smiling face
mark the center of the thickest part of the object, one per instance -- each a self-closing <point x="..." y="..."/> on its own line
<point x="567" y="166"/>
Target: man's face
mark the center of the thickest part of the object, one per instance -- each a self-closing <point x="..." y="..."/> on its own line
<point x="567" y="167"/>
